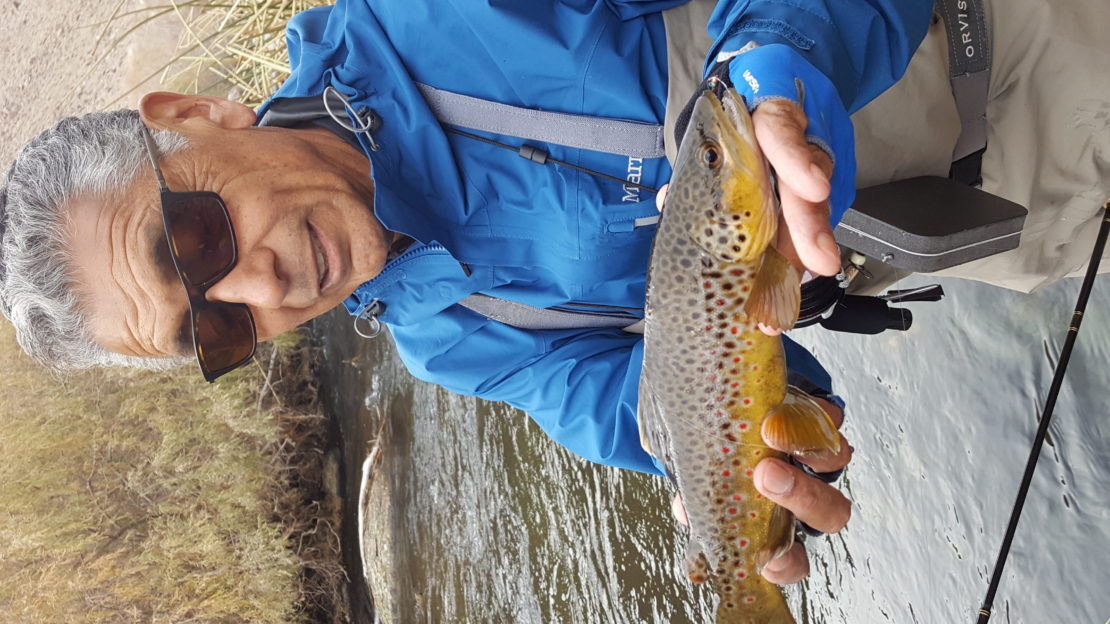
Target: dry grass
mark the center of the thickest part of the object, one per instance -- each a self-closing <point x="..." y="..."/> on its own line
<point x="231" y="48"/>
<point x="136" y="496"/>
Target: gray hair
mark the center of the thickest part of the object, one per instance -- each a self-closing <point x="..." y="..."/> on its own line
<point x="100" y="153"/>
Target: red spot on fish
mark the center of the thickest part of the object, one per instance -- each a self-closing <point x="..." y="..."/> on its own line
<point x="745" y="289"/>
<point x="750" y="343"/>
<point x="725" y="449"/>
<point x="709" y="284"/>
<point x="720" y="302"/>
<point x="755" y="367"/>
<point x="758" y="452"/>
<point x="743" y="425"/>
<point x="735" y="330"/>
<point x="753" y="514"/>
<point x="749" y="599"/>
<point x="740" y="574"/>
<point x="737" y="497"/>
<point x="759" y="381"/>
<point x="732" y="510"/>
<point x="747" y="401"/>
<point x="735" y="384"/>
<point x="733" y="527"/>
<point x="743" y="543"/>
<point x="725" y="473"/>
<point x="758" y="495"/>
<point x="749" y="473"/>
<point x="708" y="328"/>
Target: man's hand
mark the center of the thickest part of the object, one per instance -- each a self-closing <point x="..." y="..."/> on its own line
<point x="814" y="502"/>
<point x="803" y="170"/>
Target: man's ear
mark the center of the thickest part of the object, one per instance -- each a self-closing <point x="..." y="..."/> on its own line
<point x="169" y="109"/>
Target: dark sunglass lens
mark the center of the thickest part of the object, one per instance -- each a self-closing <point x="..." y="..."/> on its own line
<point x="201" y="237"/>
<point x="225" y="336"/>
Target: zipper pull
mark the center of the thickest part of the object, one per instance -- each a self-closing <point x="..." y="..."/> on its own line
<point x="369" y="315"/>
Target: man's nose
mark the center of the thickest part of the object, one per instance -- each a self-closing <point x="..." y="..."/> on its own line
<point x="254" y="281"/>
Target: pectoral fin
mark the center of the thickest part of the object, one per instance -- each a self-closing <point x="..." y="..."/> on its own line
<point x="800" y="426"/>
<point x="776" y="294"/>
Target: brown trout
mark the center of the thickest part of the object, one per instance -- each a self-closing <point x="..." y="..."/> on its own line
<point x="712" y="381"/>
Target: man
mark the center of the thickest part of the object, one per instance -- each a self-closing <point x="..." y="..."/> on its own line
<point x="351" y="193"/>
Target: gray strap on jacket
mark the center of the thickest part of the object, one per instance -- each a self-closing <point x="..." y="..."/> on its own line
<point x="526" y="316"/>
<point x="600" y="134"/>
<point x="969" y="67"/>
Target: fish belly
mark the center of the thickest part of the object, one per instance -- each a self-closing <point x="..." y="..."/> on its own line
<point x="713" y="377"/>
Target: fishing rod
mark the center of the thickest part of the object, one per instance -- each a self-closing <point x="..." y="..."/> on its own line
<point x="1050" y="404"/>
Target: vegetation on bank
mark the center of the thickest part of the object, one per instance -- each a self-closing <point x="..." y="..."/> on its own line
<point x="153" y="496"/>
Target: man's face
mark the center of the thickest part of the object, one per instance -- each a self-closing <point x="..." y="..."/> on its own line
<point x="300" y="202"/>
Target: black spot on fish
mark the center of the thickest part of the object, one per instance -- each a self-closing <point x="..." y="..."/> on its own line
<point x="727" y="286"/>
<point x="706" y="261"/>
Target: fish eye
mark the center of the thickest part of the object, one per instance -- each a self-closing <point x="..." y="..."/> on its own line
<point x="711" y="155"/>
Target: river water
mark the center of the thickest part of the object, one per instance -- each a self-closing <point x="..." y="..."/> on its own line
<point x="475" y="516"/>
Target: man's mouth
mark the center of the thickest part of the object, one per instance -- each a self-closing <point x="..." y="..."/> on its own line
<point x="322" y="267"/>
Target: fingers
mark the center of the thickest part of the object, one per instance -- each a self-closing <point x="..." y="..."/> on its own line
<point x="814" y="502"/>
<point x="661" y="197"/>
<point x="803" y="171"/>
<point x="789" y="567"/>
<point x="679" y="510"/>
<point x="780" y="129"/>
<point x="818" y="504"/>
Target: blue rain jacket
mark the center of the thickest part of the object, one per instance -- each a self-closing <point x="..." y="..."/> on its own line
<point x="488" y="221"/>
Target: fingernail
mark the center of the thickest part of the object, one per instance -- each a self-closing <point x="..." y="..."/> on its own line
<point x="777" y="479"/>
<point x="776" y="564"/>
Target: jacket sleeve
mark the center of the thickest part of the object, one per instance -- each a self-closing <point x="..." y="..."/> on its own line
<point x="580" y="386"/>
<point x="861" y="46"/>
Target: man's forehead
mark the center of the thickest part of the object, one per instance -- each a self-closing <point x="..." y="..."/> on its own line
<point x="123" y="275"/>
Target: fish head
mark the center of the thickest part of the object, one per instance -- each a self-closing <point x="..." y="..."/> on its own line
<point x="722" y="183"/>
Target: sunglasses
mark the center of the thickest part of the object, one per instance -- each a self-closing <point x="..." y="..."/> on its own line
<point x="202" y="245"/>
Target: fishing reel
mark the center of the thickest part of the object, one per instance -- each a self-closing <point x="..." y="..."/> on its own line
<point x="825" y="301"/>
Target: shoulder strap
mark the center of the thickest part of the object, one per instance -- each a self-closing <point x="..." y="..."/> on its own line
<point x="969" y="68"/>
<point x="601" y="134"/>
<point x="526" y="316"/>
